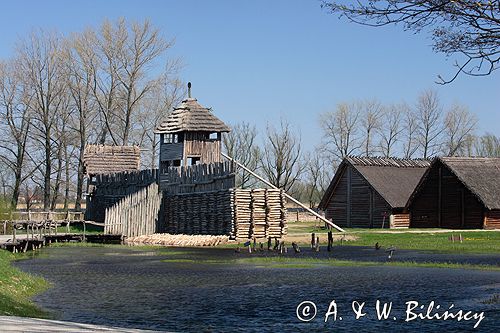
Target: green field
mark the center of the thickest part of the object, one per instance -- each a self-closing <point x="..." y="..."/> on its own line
<point x="413" y="239"/>
<point x="17" y="288"/>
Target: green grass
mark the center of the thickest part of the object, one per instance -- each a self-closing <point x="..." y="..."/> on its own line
<point x="17" y="288"/>
<point x="473" y="242"/>
<point x="286" y="262"/>
<point x="412" y="239"/>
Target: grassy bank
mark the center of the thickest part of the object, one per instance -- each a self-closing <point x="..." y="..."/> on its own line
<point x="412" y="239"/>
<point x="17" y="288"/>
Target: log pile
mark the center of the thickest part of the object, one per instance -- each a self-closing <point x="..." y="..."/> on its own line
<point x="258" y="213"/>
<point x="242" y="214"/>
<point x="178" y="240"/>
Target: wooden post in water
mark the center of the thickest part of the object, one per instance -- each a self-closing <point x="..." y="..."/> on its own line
<point x="317" y="244"/>
<point x="313" y="239"/>
<point x="83" y="231"/>
<point x="330" y="240"/>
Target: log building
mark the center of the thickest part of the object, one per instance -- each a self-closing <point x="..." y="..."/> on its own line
<point x="372" y="192"/>
<point x="190" y="135"/>
<point x="458" y="193"/>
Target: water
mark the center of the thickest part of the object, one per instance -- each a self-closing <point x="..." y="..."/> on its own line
<point x="134" y="288"/>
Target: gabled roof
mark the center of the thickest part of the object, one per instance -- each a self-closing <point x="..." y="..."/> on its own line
<point x="191" y="116"/>
<point x="480" y="175"/>
<point x="102" y="159"/>
<point x="394" y="179"/>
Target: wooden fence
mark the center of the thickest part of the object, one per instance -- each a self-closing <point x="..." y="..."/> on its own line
<point x="199" y="178"/>
<point x="107" y="190"/>
<point x="136" y="214"/>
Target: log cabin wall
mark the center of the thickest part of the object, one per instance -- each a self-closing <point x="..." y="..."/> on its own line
<point x="444" y="202"/>
<point x="198" y="144"/>
<point x="492" y="219"/>
<point x="354" y="203"/>
<point x="424" y="208"/>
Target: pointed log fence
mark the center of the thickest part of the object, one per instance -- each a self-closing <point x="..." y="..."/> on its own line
<point x="136" y="214"/>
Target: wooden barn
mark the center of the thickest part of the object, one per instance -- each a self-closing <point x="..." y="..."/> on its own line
<point x="372" y="192"/>
<point x="190" y="135"/>
<point x="458" y="193"/>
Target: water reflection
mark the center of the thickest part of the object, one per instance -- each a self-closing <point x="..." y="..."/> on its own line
<point x="190" y="290"/>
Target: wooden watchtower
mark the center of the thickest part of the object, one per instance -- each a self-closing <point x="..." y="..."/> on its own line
<point x="191" y="134"/>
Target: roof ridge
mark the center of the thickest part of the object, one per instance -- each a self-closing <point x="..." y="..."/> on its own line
<point x="388" y="161"/>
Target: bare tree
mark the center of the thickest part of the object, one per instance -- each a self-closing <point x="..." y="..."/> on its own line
<point x="165" y="93"/>
<point x="15" y="124"/>
<point x="429" y="122"/>
<point x="281" y="158"/>
<point x="390" y="129"/>
<point x="459" y="125"/>
<point x="487" y="145"/>
<point x="241" y="145"/>
<point x="371" y="115"/>
<point x="79" y="61"/>
<point x="318" y="173"/>
<point x="341" y="131"/>
<point x="410" y="130"/>
<point x="470" y="29"/>
<point x="126" y="52"/>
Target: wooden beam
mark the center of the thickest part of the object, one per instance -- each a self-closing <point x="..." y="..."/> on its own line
<point x="286" y="194"/>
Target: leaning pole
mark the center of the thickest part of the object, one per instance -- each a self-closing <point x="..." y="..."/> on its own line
<point x="286" y="194"/>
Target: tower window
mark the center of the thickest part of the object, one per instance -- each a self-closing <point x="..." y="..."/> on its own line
<point x="172" y="138"/>
<point x="193" y="160"/>
<point x="213" y="136"/>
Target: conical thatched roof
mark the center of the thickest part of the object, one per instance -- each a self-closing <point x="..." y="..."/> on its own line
<point x="190" y="116"/>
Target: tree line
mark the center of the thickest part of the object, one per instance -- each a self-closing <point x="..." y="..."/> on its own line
<point x="423" y="129"/>
<point x="61" y="92"/>
<point x="112" y="84"/>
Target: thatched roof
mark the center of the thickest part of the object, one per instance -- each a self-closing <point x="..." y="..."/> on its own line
<point x="99" y="159"/>
<point x="191" y="116"/>
<point x="481" y="175"/>
<point x="394" y="179"/>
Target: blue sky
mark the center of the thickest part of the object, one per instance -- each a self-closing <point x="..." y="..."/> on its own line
<point x="261" y="60"/>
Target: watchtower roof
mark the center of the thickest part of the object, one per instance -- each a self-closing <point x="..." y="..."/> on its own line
<point x="191" y="116"/>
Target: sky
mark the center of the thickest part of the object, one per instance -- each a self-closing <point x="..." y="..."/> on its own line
<point x="263" y="60"/>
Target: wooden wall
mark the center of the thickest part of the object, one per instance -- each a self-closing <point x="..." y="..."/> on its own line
<point x="240" y="214"/>
<point x="107" y="190"/>
<point x="136" y="214"/>
<point x="199" y="178"/>
<point x="198" y="145"/>
<point x="354" y="204"/>
<point x="444" y="202"/>
<point x="171" y="151"/>
<point x="492" y="219"/>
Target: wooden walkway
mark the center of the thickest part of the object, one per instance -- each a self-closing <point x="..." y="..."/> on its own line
<point x="20" y="324"/>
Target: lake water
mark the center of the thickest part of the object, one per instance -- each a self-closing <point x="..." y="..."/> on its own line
<point x="189" y="290"/>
